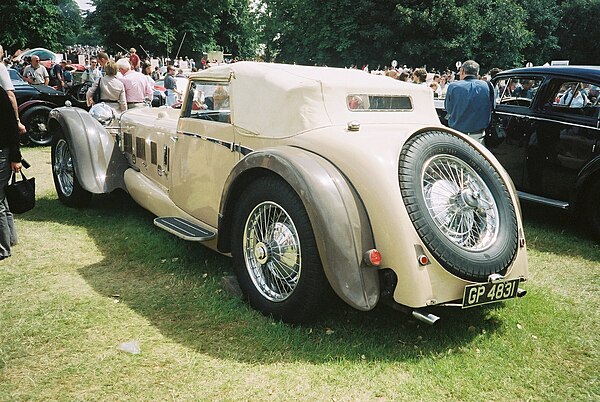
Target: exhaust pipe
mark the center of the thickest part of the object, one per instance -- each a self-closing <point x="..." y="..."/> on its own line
<point x="521" y="292"/>
<point x="428" y="319"/>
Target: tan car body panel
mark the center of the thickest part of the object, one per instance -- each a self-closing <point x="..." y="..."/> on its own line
<point x="338" y="219"/>
<point x="347" y="180"/>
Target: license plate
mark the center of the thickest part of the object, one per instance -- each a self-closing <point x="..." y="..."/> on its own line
<point x="484" y="293"/>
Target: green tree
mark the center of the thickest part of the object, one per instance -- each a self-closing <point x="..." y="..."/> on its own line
<point x="415" y="32"/>
<point x="578" y="32"/>
<point x="237" y="29"/>
<point x="176" y="27"/>
<point x="543" y="17"/>
<point x="39" y="23"/>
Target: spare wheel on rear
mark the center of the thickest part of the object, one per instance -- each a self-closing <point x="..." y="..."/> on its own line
<point x="458" y="204"/>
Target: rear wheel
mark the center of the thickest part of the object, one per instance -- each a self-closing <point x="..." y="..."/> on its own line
<point x="459" y="205"/>
<point x="275" y="254"/>
<point x="35" y="120"/>
<point x="592" y="209"/>
<point x="66" y="182"/>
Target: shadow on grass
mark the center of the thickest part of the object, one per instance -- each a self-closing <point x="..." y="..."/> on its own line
<point x="175" y="285"/>
<point x="556" y="231"/>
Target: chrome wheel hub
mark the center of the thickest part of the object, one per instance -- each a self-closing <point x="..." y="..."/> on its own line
<point x="271" y="247"/>
<point x="261" y="253"/>
<point x="459" y="202"/>
<point x="63" y="167"/>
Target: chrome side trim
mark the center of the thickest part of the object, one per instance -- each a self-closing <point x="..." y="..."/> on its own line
<point x="232" y="146"/>
<point x="543" y="200"/>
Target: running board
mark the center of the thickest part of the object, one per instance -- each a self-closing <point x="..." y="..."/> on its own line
<point x="542" y="200"/>
<point x="183" y="228"/>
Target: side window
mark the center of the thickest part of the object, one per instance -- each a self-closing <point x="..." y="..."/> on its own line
<point x="518" y="91"/>
<point x="574" y="97"/>
<point x="208" y="101"/>
<point x="390" y="103"/>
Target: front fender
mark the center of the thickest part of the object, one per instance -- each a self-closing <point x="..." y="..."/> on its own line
<point x="338" y="218"/>
<point x="97" y="159"/>
<point x="27" y="105"/>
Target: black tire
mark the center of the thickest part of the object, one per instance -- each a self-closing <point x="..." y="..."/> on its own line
<point x="35" y="121"/>
<point x="78" y="92"/>
<point x="66" y="182"/>
<point x="591" y="209"/>
<point x="459" y="205"/>
<point x="287" y="284"/>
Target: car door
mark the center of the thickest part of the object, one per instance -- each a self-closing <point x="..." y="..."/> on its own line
<point x="513" y="124"/>
<point x="568" y="137"/>
<point x="202" y="155"/>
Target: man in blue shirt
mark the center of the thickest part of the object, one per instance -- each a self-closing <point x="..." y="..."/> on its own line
<point x="469" y="102"/>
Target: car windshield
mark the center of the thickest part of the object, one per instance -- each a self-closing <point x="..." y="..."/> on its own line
<point x="209" y="101"/>
<point x="14" y="75"/>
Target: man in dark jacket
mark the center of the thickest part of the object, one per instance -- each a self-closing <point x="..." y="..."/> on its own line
<point x="469" y="102"/>
<point x="10" y="161"/>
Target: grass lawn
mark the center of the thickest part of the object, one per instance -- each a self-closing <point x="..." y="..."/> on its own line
<point x="82" y="282"/>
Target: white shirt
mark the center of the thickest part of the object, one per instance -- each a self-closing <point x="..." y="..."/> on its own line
<point x="5" y="81"/>
<point x="38" y="74"/>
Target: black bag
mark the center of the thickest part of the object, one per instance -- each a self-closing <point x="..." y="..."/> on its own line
<point x="20" y="194"/>
<point x="96" y="97"/>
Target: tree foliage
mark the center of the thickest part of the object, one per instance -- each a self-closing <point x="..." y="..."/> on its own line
<point x="435" y="33"/>
<point x="39" y="23"/>
<point x="162" y="27"/>
<point x="502" y="33"/>
<point x="578" y="32"/>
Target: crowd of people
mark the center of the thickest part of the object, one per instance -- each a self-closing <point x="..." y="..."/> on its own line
<point x="438" y="81"/>
<point x="127" y="81"/>
<point x="63" y="75"/>
<point x="469" y="97"/>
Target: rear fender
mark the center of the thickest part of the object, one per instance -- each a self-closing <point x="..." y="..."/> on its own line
<point x="589" y="173"/>
<point x="338" y="218"/>
<point x="97" y="159"/>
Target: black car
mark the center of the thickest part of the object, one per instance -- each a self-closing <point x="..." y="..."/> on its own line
<point x="35" y="103"/>
<point x="545" y="131"/>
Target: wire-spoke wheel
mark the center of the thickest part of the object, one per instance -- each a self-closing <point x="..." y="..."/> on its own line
<point x="275" y="253"/>
<point x="459" y="202"/>
<point x="63" y="167"/>
<point x="459" y="205"/>
<point x="66" y="182"/>
<point x="272" y="251"/>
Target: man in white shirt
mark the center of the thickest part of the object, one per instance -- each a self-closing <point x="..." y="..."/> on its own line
<point x="36" y="74"/>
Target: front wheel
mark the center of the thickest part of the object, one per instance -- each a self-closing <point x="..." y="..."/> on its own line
<point x="275" y="254"/>
<point x="66" y="182"/>
<point x="36" y="123"/>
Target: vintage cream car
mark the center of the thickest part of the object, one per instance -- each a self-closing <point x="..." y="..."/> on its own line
<point x="313" y="179"/>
